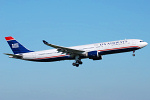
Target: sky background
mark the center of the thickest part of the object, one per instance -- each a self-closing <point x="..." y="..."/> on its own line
<point x="70" y="23"/>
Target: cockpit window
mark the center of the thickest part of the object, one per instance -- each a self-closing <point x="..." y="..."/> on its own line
<point x="141" y="41"/>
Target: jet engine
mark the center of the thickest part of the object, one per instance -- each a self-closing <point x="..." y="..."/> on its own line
<point x="94" y="55"/>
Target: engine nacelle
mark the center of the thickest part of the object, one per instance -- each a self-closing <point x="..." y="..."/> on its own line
<point x="94" y="55"/>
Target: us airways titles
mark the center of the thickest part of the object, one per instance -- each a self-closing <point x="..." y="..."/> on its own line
<point x="114" y="43"/>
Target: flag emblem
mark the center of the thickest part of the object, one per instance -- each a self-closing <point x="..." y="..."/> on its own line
<point x="15" y="45"/>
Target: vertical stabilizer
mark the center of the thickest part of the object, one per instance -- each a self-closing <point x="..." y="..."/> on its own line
<point x="15" y="46"/>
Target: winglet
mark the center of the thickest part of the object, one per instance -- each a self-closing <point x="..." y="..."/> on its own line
<point x="45" y="42"/>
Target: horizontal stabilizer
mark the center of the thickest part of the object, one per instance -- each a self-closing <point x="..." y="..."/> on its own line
<point x="14" y="56"/>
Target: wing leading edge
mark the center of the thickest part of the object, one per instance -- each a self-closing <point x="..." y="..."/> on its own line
<point x="64" y="49"/>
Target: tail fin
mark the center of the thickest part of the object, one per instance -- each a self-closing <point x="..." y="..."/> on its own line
<point x="15" y="46"/>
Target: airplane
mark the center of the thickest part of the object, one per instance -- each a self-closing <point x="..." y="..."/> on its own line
<point x="91" y="51"/>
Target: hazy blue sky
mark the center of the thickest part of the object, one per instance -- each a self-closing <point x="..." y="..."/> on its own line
<point x="71" y="23"/>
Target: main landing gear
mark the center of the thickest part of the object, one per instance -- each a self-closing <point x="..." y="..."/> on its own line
<point x="77" y="61"/>
<point x="133" y="53"/>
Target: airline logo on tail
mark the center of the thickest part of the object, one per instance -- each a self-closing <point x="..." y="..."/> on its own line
<point x="15" y="45"/>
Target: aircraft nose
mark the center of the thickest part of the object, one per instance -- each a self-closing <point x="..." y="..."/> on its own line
<point x="146" y="43"/>
<point x="143" y="44"/>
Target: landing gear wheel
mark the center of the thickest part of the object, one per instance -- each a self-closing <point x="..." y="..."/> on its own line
<point x="133" y="53"/>
<point x="77" y="65"/>
<point x="74" y="64"/>
<point x="81" y="62"/>
<point x="77" y="61"/>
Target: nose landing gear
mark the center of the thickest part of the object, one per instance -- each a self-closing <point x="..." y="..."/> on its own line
<point x="133" y="53"/>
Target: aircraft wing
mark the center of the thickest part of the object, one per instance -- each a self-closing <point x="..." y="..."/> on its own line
<point x="64" y="49"/>
<point x="13" y="55"/>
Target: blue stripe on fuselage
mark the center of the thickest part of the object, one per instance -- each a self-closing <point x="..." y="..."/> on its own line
<point x="53" y="59"/>
<point x="118" y="51"/>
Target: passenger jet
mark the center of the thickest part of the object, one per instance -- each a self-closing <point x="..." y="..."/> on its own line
<point x="91" y="51"/>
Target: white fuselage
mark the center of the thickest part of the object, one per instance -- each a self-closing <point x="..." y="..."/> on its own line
<point x="101" y="48"/>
